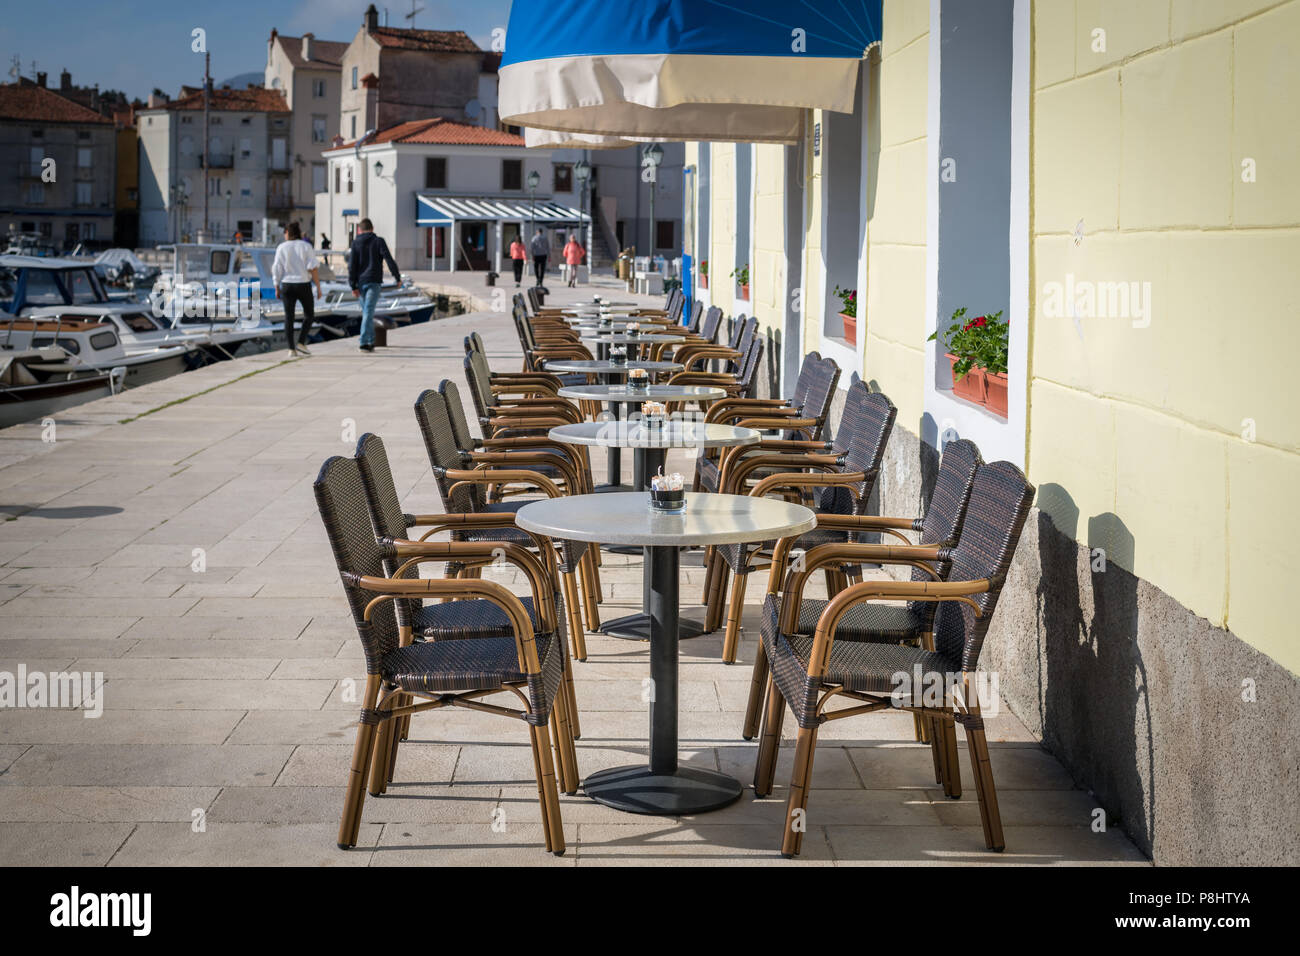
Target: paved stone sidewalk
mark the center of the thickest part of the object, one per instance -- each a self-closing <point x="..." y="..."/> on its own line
<point x="226" y="689"/>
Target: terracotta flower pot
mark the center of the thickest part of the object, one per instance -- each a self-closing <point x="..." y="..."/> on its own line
<point x="850" y="327"/>
<point x="704" y="280"/>
<point x="995" y="387"/>
<point x="971" y="385"/>
<point x="744" y="291"/>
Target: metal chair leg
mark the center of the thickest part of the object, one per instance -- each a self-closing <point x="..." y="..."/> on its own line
<point x="757" y="689"/>
<point x="796" y="808"/>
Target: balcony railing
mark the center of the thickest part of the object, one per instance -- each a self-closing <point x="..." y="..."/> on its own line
<point x="219" y="160"/>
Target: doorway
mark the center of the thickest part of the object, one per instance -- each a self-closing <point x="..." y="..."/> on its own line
<point x="473" y="252"/>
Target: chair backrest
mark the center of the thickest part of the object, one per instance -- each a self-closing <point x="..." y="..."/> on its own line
<point x="745" y="333"/>
<point x="534" y="300"/>
<point x="749" y="365"/>
<point x="473" y="343"/>
<point x="524" y="329"/>
<point x="519" y="302"/>
<point x="479" y="379"/>
<point x="712" y="321"/>
<point x="942" y="522"/>
<point x="693" y="321"/>
<point x="385" y="508"/>
<point x="860" y="441"/>
<point x="341" y="500"/>
<point x="999" y="503"/>
<point x="456" y="414"/>
<point x="440" y="445"/>
<point x="734" y="328"/>
<point x="824" y="375"/>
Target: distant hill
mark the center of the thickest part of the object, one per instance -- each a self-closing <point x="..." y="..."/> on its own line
<point x="243" y="79"/>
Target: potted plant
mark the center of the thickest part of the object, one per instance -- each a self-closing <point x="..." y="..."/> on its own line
<point x="849" y="313"/>
<point x="741" y="275"/>
<point x="704" y="273"/>
<point x="977" y="356"/>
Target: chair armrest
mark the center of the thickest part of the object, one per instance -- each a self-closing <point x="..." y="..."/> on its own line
<point x="498" y="476"/>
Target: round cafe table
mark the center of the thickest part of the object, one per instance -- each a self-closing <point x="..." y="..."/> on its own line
<point x="650" y="445"/>
<point x="618" y="397"/>
<point x="662" y="787"/>
<point x="593" y="367"/>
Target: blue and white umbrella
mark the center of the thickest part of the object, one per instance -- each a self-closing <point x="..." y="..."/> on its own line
<point x="683" y="69"/>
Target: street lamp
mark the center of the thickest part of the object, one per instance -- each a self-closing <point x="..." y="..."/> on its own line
<point x="534" y="180"/>
<point x="654" y="155"/>
<point x="228" y="195"/>
<point x="379" y="169"/>
<point x="582" y="170"/>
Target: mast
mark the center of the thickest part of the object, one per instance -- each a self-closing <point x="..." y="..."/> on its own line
<point x="207" y="137"/>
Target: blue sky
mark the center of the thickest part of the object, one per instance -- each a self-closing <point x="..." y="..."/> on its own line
<point x="136" y="45"/>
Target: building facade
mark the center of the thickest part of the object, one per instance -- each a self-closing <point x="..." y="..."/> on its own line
<point x="1115" y="180"/>
<point x="392" y="75"/>
<point x="307" y="71"/>
<point x="249" y="179"/>
<point x="62" y="163"/>
<point x="385" y="178"/>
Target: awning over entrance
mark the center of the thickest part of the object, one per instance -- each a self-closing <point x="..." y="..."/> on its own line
<point x="445" y="210"/>
<point x="683" y="69"/>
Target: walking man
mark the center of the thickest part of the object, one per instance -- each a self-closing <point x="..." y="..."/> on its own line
<point x="540" y="247"/>
<point x="366" y="275"/>
<point x="518" y="255"/>
<point x="294" y="271"/>
<point x="573" y="256"/>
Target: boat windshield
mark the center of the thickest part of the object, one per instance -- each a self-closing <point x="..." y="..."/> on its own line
<point x="81" y="287"/>
<point x="8" y="286"/>
<point x="42" y="289"/>
<point x="193" y="263"/>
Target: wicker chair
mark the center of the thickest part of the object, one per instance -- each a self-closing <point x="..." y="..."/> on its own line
<point x="469" y="490"/>
<point x="802" y="419"/>
<point x="809" y="672"/>
<point x="436" y="674"/>
<point x="938" y="528"/>
<point x="838" y="482"/>
<point x="460" y="619"/>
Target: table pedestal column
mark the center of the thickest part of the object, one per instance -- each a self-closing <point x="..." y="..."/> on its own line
<point x="662" y="787"/>
<point x="636" y="627"/>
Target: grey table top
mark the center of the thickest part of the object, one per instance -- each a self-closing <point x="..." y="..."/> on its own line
<point x="607" y="368"/>
<point x="623" y="393"/>
<point x="626" y="518"/>
<point x="651" y="337"/>
<point x="672" y="434"/>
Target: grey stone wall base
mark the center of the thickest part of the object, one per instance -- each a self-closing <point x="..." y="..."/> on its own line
<point x="1145" y="703"/>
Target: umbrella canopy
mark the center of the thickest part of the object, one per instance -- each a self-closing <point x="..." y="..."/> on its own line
<point x="561" y="139"/>
<point x="683" y="69"/>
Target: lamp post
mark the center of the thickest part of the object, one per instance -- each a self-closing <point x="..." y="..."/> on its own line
<point x="582" y="170"/>
<point x="534" y="180"/>
<point x="654" y="155"/>
<point x="228" y="230"/>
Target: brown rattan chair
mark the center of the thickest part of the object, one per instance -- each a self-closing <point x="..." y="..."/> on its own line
<point x="811" y="672"/>
<point x="459" y="620"/>
<point x="837" y="482"/>
<point x="878" y="623"/>
<point x="802" y="420"/>
<point x="437" y="674"/>
<point x="467" y="487"/>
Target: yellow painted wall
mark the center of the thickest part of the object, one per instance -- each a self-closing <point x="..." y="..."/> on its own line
<point x="722" y="228"/>
<point x="896" y="227"/>
<point x="767" y="270"/>
<point x="1181" y="423"/>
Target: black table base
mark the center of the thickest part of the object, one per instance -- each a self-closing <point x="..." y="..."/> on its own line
<point x="662" y="788"/>
<point x="641" y="790"/>
<point x="636" y="627"/>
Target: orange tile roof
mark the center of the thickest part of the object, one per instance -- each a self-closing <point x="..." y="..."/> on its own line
<point x="438" y="41"/>
<point x="439" y="130"/>
<point x="252" y="99"/>
<point x="27" y="101"/>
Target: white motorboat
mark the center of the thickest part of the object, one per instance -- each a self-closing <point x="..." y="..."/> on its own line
<point x="36" y="383"/>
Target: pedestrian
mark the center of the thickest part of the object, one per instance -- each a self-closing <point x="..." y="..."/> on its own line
<point x="366" y="274"/>
<point x="573" y="256"/>
<point x="540" y="247"/>
<point x="294" y="270"/>
<point x="518" y="255"/>
<point x="324" y="241"/>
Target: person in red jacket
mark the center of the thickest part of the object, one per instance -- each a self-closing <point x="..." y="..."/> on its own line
<point x="573" y="256"/>
<point x="518" y="256"/>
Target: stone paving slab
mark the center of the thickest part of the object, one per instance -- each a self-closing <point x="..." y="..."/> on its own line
<point x="168" y="540"/>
